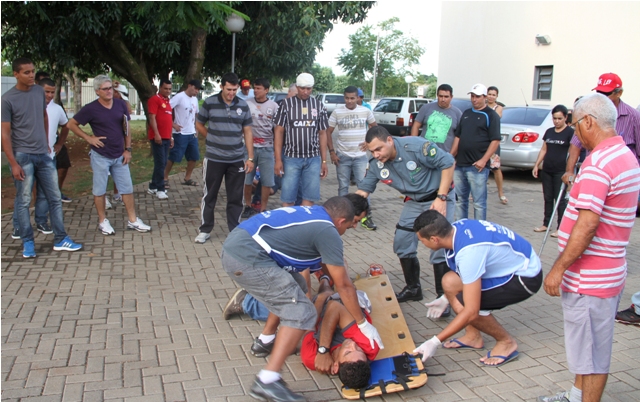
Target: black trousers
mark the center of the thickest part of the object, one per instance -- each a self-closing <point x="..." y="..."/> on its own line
<point x="233" y="174"/>
<point x="551" y="183"/>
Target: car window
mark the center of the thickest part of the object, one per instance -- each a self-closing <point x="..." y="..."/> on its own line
<point x="334" y="99"/>
<point x="389" y="106"/>
<point x="462" y="104"/>
<point x="412" y="106"/>
<point x="420" y="103"/>
<point x="527" y="116"/>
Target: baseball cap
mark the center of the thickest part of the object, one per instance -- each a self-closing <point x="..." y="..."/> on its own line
<point x="124" y="92"/>
<point x="197" y="84"/>
<point x="305" y="80"/>
<point x="608" y="82"/>
<point x="360" y="93"/>
<point x="478" y="89"/>
<point x="245" y="84"/>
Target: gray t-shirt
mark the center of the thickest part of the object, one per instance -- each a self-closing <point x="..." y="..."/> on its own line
<point x="438" y="124"/>
<point x="304" y="242"/>
<point x="25" y="111"/>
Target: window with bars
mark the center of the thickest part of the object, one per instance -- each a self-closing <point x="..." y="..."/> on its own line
<point x="542" y="83"/>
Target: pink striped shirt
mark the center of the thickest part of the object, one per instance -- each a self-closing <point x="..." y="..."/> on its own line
<point x="608" y="185"/>
<point x="627" y="126"/>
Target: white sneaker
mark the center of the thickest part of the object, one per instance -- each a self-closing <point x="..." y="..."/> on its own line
<point x="162" y="195"/>
<point x="139" y="226"/>
<point x="152" y="191"/>
<point x="202" y="237"/>
<point x="106" y="228"/>
<point x="107" y="204"/>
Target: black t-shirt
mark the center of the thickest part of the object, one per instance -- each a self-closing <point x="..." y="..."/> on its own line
<point x="476" y="130"/>
<point x="555" y="160"/>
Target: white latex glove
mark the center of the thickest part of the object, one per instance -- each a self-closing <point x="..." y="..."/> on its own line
<point x="363" y="301"/>
<point x="437" y="307"/>
<point x="371" y="332"/>
<point x="428" y="349"/>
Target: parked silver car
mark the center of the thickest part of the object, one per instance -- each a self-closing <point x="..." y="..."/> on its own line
<point x="522" y="129"/>
<point x="331" y="101"/>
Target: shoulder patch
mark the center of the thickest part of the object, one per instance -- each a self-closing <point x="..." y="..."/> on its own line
<point x="425" y="148"/>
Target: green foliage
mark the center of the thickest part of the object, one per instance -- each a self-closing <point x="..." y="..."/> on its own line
<point x="324" y="78"/>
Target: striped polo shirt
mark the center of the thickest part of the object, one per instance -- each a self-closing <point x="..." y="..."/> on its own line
<point x="627" y="126"/>
<point x="352" y="128"/>
<point x="608" y="185"/>
<point x="301" y="119"/>
<point x="225" y="140"/>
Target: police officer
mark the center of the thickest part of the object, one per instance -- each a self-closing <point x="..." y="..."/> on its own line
<point x="423" y="173"/>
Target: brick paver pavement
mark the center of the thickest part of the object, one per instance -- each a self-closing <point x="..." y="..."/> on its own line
<point x="138" y="317"/>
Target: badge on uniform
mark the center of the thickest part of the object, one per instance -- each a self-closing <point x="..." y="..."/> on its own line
<point x="305" y="110"/>
<point x="380" y="165"/>
<point x="314" y="112"/>
<point x="239" y="111"/>
<point x="425" y="148"/>
<point x="164" y="105"/>
<point x="384" y="173"/>
<point x="432" y="152"/>
<point x="269" y="110"/>
<point x="411" y="165"/>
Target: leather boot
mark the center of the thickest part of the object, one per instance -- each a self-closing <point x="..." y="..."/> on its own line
<point x="411" y="271"/>
<point x="439" y="270"/>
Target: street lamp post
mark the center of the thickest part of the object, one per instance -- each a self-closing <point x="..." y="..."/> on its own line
<point x="375" y="68"/>
<point x="408" y="79"/>
<point x="234" y="24"/>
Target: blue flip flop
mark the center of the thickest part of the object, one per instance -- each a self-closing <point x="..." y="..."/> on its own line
<point x="506" y="360"/>
<point x="462" y="345"/>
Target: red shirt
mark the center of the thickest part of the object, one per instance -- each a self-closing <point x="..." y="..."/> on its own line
<point x="309" y="347"/>
<point x="608" y="186"/>
<point x="161" y="108"/>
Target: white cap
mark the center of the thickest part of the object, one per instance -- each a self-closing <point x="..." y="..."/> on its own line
<point x="124" y="92"/>
<point x="305" y="80"/>
<point x="478" y="89"/>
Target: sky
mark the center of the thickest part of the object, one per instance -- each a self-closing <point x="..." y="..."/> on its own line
<point x="423" y="24"/>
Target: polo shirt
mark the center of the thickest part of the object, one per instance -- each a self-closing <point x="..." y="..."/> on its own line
<point x="159" y="106"/>
<point x="225" y="138"/>
<point x="607" y="185"/>
<point x="302" y="120"/>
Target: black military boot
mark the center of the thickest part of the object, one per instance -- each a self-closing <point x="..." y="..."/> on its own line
<point x="439" y="270"/>
<point x="411" y="271"/>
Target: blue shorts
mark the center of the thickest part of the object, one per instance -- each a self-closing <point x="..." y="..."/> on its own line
<point x="102" y="167"/>
<point x="304" y="172"/>
<point x="264" y="159"/>
<point x="184" y="145"/>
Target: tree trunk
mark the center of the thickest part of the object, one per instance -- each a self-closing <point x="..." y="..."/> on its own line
<point x="196" y="58"/>
<point x="77" y="91"/>
<point x="56" y="97"/>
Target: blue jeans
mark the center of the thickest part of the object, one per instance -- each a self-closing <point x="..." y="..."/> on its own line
<point x="346" y="166"/>
<point x="301" y="173"/>
<point x="43" y="169"/>
<point x="254" y="309"/>
<point x="42" y="208"/>
<point x="468" y="180"/>
<point x="160" y="155"/>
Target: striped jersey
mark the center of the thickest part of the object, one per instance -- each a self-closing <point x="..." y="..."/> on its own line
<point x="225" y="139"/>
<point x="352" y="127"/>
<point x="608" y="185"/>
<point x="302" y="120"/>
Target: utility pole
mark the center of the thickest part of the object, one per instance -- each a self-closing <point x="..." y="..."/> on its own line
<point x="375" y="69"/>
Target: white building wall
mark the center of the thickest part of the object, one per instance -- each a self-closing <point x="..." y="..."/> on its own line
<point x="494" y="43"/>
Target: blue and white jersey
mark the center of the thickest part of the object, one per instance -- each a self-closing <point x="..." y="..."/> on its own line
<point x="280" y="220"/>
<point x="490" y="252"/>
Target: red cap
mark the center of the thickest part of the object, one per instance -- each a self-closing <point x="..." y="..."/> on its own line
<point x="245" y="84"/>
<point x="608" y="82"/>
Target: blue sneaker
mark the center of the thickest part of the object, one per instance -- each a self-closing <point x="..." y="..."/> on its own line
<point x="29" y="250"/>
<point x="67" y="245"/>
<point x="64" y="198"/>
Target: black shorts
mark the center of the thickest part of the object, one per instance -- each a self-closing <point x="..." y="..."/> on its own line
<point x="62" y="159"/>
<point x="510" y="293"/>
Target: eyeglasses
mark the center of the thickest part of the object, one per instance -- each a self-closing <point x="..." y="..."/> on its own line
<point x="106" y="89"/>
<point x="573" y="125"/>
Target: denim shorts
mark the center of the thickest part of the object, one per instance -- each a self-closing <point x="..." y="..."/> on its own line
<point x="184" y="145"/>
<point x="282" y="292"/>
<point x="102" y="167"/>
<point x="264" y="159"/>
<point x="304" y="172"/>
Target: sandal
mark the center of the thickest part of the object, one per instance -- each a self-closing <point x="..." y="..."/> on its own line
<point x="189" y="183"/>
<point x="504" y="200"/>
<point x="166" y="184"/>
<point x="554" y="234"/>
<point x="540" y="229"/>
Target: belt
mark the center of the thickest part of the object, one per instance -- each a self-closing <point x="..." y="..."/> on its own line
<point x="429" y="197"/>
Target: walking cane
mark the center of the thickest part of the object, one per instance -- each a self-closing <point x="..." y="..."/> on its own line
<point x="555" y="208"/>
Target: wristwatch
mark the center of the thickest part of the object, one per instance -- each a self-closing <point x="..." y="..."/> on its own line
<point x="129" y="149"/>
<point x="250" y="159"/>
<point x="443" y="197"/>
<point x="322" y="350"/>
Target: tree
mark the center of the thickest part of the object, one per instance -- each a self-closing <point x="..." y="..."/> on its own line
<point x="324" y="78"/>
<point x="140" y="41"/>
